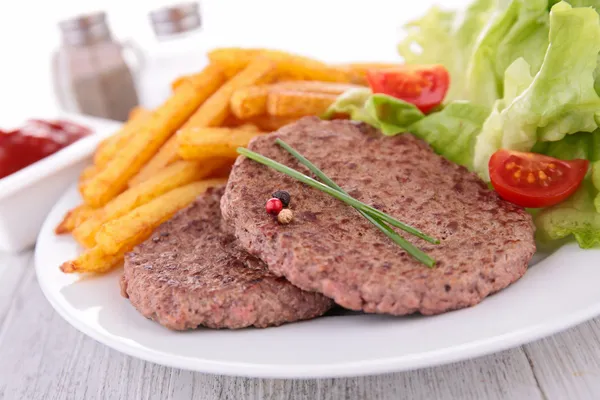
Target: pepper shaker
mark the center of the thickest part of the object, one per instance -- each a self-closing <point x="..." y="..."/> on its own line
<point x="90" y="72"/>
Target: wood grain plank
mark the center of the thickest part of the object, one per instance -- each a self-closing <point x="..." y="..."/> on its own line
<point x="44" y="358"/>
<point x="567" y="365"/>
<point x="12" y="270"/>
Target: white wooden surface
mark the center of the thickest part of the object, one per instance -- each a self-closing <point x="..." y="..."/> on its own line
<point x="42" y="357"/>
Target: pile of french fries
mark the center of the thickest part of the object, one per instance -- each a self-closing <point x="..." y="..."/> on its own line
<point x="162" y="159"/>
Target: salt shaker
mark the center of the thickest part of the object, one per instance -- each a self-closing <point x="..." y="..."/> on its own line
<point x="91" y="72"/>
<point x="177" y="49"/>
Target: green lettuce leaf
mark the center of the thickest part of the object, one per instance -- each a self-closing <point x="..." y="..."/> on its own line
<point x="388" y="114"/>
<point x="393" y="115"/>
<point x="577" y="216"/>
<point x="447" y="37"/>
<point x="516" y="80"/>
<point x="452" y="131"/>
<point x="560" y="100"/>
<point x="579" y="3"/>
<point x="521" y="31"/>
<point x="596" y="183"/>
<point x="352" y="103"/>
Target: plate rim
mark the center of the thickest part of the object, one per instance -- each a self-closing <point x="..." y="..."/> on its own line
<point x="393" y="364"/>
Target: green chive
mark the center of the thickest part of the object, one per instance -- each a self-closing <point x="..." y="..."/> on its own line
<point x="332" y="192"/>
<point x="389" y="232"/>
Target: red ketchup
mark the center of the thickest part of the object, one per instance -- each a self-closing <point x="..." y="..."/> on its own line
<point x="36" y="140"/>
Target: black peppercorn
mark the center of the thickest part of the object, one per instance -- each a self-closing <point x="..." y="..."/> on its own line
<point x="283" y="196"/>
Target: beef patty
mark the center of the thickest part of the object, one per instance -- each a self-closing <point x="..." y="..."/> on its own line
<point x="486" y="242"/>
<point x="192" y="272"/>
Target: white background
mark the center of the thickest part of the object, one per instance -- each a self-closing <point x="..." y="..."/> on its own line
<point x="333" y="30"/>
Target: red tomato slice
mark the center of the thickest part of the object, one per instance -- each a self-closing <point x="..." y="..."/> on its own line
<point x="425" y="86"/>
<point x="534" y="180"/>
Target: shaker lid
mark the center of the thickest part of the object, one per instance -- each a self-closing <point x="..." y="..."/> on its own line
<point x="85" y="29"/>
<point x="178" y="18"/>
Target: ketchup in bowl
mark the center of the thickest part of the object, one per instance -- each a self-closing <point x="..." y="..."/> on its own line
<point x="34" y="141"/>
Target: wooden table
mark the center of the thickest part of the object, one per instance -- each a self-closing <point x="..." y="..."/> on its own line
<point x="42" y="357"/>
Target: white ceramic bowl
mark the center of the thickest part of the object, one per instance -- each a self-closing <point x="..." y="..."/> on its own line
<point x="27" y="196"/>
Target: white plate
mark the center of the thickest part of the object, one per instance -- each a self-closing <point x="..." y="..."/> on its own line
<point x="556" y="293"/>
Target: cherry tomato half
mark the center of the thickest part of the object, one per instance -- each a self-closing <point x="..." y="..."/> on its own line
<point x="425" y="86"/>
<point x="534" y="180"/>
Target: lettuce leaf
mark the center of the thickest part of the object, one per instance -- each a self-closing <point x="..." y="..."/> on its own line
<point x="388" y="114"/>
<point x="596" y="183"/>
<point x="576" y="216"/>
<point x="560" y="100"/>
<point x="521" y="31"/>
<point x="448" y="38"/>
<point x="393" y="115"/>
<point x="452" y="131"/>
<point x="579" y="216"/>
<point x="352" y="103"/>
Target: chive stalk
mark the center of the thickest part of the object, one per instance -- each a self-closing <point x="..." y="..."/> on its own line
<point x="333" y="193"/>
<point x="382" y="226"/>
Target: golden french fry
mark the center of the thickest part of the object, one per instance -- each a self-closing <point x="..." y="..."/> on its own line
<point x="178" y="82"/>
<point x="207" y="143"/>
<point x="298" y="104"/>
<point x="216" y="109"/>
<point x="74" y="218"/>
<point x="359" y="70"/>
<point x="232" y="60"/>
<point x="249" y="127"/>
<point x="166" y="156"/>
<point x="142" y="146"/>
<point x="122" y="234"/>
<point x="138" y="111"/>
<point x="269" y="123"/>
<point x="111" y="145"/>
<point x="87" y="173"/>
<point x="252" y="101"/>
<point x="314" y="86"/>
<point x="93" y="260"/>
<point x="176" y="175"/>
<point x="249" y="102"/>
<point x="289" y="66"/>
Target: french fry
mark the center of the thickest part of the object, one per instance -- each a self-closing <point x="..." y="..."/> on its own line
<point x="138" y="111"/>
<point x="249" y="127"/>
<point x="94" y="261"/>
<point x="87" y="173"/>
<point x="269" y="123"/>
<point x="74" y="218"/>
<point x="252" y="101"/>
<point x="249" y="102"/>
<point x="111" y="145"/>
<point x="122" y="234"/>
<point x="232" y="60"/>
<point x="289" y="66"/>
<point x="298" y="104"/>
<point x="360" y="69"/>
<point x="176" y="175"/>
<point x="216" y="109"/>
<point x="165" y="156"/>
<point x="207" y="143"/>
<point x="142" y="146"/>
<point x="315" y="86"/>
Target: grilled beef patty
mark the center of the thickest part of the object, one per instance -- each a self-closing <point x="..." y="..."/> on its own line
<point x="486" y="242"/>
<point x="192" y="272"/>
